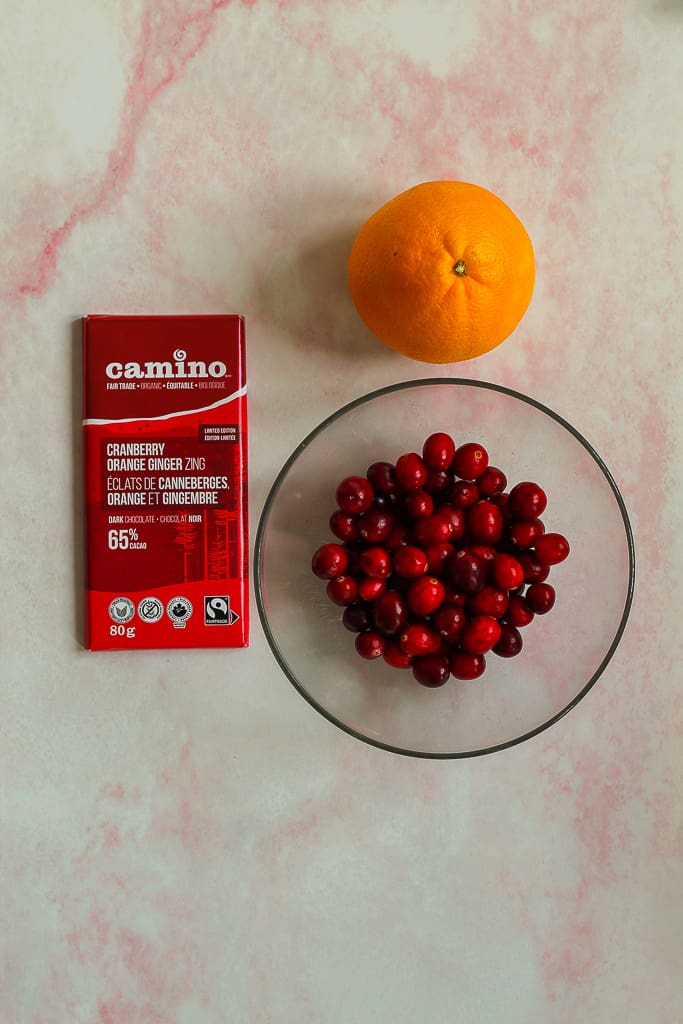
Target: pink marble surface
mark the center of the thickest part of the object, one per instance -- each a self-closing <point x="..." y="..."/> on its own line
<point x="182" y="839"/>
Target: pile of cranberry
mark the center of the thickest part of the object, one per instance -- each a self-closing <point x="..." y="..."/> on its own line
<point x="437" y="563"/>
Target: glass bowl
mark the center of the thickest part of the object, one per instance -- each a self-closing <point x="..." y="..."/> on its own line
<point x="564" y="652"/>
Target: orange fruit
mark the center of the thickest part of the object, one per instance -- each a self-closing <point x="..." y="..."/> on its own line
<point x="442" y="272"/>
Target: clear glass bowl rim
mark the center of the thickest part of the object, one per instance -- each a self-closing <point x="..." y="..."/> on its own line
<point x="363" y="400"/>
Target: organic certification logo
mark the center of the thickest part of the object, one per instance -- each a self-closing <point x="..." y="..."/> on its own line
<point x="179" y="610"/>
<point x="121" y="609"/>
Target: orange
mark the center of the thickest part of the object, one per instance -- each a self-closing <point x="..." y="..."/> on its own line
<point x="442" y="272"/>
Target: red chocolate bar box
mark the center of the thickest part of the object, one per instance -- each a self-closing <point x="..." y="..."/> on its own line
<point x="165" y="445"/>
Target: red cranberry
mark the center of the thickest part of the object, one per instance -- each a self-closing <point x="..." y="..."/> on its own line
<point x="540" y="597"/>
<point x="492" y="481"/>
<point x="510" y="643"/>
<point x="389" y="612"/>
<point x="449" y="619"/>
<point x="502" y="502"/>
<point x="485" y="523"/>
<point x="524" y="532"/>
<point x="329" y="561"/>
<point x="355" y="495"/>
<point x="534" y="571"/>
<point x="411" y="472"/>
<point x="551" y="548"/>
<point x="466" y="571"/>
<point x="432" y="530"/>
<point x="437" y="481"/>
<point x="410" y="561"/>
<point x="399" y="537"/>
<point x="480" y="634"/>
<point x="437" y="555"/>
<point x="375" y="525"/>
<point x="467" y="666"/>
<point x="342" y="590"/>
<point x="527" y="500"/>
<point x="369" y="588"/>
<point x="454" y="596"/>
<point x="370" y="645"/>
<point x="417" y="504"/>
<point x="507" y="572"/>
<point x="455" y="516"/>
<point x="431" y="670"/>
<point x="376" y="562"/>
<point x="463" y="493"/>
<point x="382" y="476"/>
<point x="519" y="613"/>
<point x="490" y="601"/>
<point x="425" y="595"/>
<point x="438" y="451"/>
<point x="344" y="526"/>
<point x="356" y="618"/>
<point x="394" y="656"/>
<point x="485" y="551"/>
<point x="470" y="461"/>
<point x="418" y="639"/>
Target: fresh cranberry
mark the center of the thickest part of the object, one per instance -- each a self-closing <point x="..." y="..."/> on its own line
<point x="431" y="670"/>
<point x="523" y="533"/>
<point x="382" y="476"/>
<point x="454" y="596"/>
<point x="519" y="613"/>
<point x="467" y="666"/>
<point x="510" y="643"/>
<point x="417" y="504"/>
<point x="485" y="523"/>
<point x="485" y="551"/>
<point x="375" y="525"/>
<point x="432" y="530"/>
<point x="329" y="561"/>
<point x="455" y="516"/>
<point x="449" y="619"/>
<point x="551" y="548"/>
<point x="534" y="571"/>
<point x="370" y="644"/>
<point x="409" y="561"/>
<point x="463" y="493"/>
<point x="437" y="482"/>
<point x="438" y="451"/>
<point x="540" y="597"/>
<point x="389" y="612"/>
<point x="492" y="481"/>
<point x="425" y="595"/>
<point x="343" y="590"/>
<point x="502" y="503"/>
<point x="370" y="587"/>
<point x="418" y="639"/>
<point x="356" y="618"/>
<point x="343" y="525"/>
<point x="481" y="633"/>
<point x="394" y="656"/>
<point x="376" y="562"/>
<point x="355" y="495"/>
<point x="437" y="555"/>
<point x="527" y="500"/>
<point x="466" y="571"/>
<point x="507" y="572"/>
<point x="470" y="461"/>
<point x="490" y="601"/>
<point x="411" y="472"/>
<point x="399" y="537"/>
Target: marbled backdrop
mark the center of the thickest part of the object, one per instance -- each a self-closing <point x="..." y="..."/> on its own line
<point x="182" y="839"/>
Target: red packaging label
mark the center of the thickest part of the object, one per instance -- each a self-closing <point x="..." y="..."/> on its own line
<point x="165" y="444"/>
